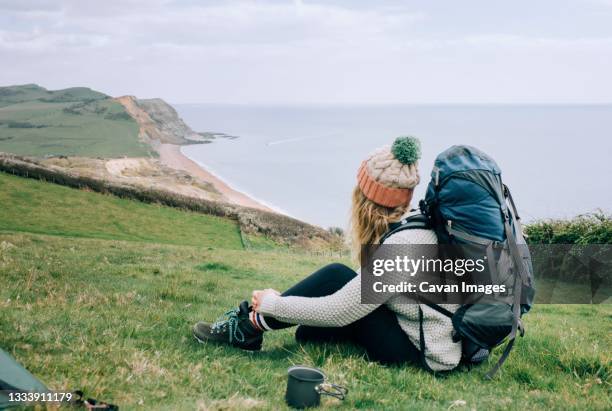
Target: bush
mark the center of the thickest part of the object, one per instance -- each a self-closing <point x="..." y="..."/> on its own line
<point x="118" y="116"/>
<point x="571" y="251"/>
<point x="594" y="228"/>
<point x="71" y="110"/>
<point x="336" y="231"/>
<point x="85" y="107"/>
<point x="23" y="124"/>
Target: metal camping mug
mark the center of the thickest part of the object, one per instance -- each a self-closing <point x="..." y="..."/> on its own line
<point x="305" y="385"/>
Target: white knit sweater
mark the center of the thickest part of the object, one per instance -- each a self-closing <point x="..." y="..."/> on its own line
<point x="344" y="307"/>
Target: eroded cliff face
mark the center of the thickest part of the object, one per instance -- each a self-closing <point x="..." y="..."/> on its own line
<point x="159" y="122"/>
<point x="168" y="121"/>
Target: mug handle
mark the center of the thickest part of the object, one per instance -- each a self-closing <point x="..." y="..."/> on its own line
<point x="333" y="390"/>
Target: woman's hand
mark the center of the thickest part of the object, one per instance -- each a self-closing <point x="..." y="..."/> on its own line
<point x="259" y="295"/>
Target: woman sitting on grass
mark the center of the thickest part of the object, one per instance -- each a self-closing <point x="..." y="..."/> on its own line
<point x="327" y="304"/>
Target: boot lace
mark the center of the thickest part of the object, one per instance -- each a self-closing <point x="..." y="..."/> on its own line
<point x="230" y="321"/>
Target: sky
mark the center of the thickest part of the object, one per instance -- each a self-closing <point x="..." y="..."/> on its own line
<point x="314" y="52"/>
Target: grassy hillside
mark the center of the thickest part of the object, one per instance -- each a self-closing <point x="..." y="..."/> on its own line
<point x="37" y="207"/>
<point x="82" y="310"/>
<point x="76" y="121"/>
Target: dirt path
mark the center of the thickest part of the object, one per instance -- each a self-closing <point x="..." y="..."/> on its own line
<point x="170" y="155"/>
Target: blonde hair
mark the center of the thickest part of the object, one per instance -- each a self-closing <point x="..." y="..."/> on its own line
<point x="369" y="221"/>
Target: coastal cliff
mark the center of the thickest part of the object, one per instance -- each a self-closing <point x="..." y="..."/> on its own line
<point x="161" y="127"/>
<point x="128" y="147"/>
<point x="159" y="122"/>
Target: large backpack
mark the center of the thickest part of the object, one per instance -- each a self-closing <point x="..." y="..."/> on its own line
<point x="466" y="203"/>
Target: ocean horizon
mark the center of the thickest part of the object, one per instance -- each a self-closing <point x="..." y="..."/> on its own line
<point x="302" y="160"/>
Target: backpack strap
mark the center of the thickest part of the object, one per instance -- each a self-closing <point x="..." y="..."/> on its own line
<point x="520" y="278"/>
<point x="434" y="306"/>
<point x="416" y="220"/>
<point x="422" y="347"/>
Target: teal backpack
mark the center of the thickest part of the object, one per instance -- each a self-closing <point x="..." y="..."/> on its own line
<point x="466" y="203"/>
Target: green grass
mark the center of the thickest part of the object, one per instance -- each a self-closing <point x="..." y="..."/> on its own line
<point x="71" y="122"/>
<point x="113" y="317"/>
<point x="38" y="207"/>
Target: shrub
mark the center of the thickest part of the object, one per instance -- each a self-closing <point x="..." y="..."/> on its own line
<point x="84" y="107"/>
<point x="72" y="110"/>
<point x="594" y="228"/>
<point x="336" y="231"/>
<point x="23" y="124"/>
<point x="118" y="116"/>
<point x="571" y="251"/>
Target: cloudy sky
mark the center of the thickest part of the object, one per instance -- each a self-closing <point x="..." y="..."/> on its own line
<point x="344" y="51"/>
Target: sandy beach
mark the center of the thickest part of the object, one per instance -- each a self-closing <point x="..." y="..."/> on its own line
<point x="170" y="155"/>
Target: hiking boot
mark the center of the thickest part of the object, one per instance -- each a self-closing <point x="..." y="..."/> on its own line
<point x="233" y="328"/>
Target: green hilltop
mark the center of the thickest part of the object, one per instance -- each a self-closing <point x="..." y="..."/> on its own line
<point x="76" y="121"/>
<point x="33" y="92"/>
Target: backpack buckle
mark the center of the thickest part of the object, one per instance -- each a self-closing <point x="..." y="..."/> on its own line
<point x="423" y="207"/>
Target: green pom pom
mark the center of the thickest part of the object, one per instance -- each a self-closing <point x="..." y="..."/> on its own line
<point x="407" y="149"/>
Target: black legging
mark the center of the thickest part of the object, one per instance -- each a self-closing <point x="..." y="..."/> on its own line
<point x="378" y="333"/>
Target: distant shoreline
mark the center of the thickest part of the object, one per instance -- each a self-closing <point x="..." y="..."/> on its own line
<point x="171" y="156"/>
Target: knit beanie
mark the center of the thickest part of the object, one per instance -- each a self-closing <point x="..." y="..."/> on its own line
<point x="388" y="176"/>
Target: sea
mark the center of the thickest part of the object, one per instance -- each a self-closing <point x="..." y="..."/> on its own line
<point x="302" y="160"/>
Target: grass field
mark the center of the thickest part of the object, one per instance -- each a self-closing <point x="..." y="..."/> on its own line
<point x="37" y="207"/>
<point x="85" y="304"/>
<point x="71" y="122"/>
